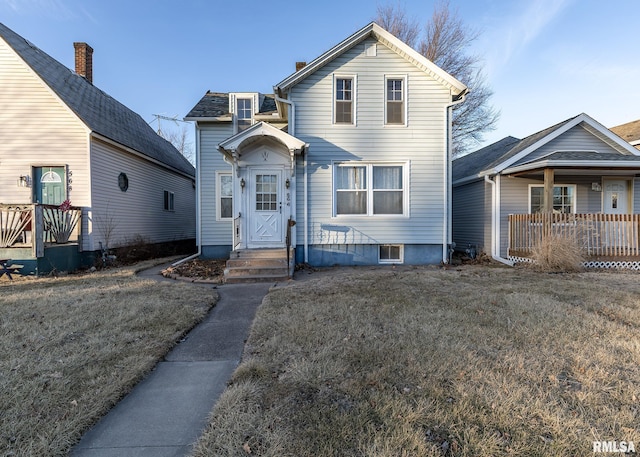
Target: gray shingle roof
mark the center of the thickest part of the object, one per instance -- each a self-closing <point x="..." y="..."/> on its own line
<point x="100" y="112"/>
<point x="216" y="104"/>
<point x="494" y="154"/>
<point x="473" y="163"/>
<point x="589" y="156"/>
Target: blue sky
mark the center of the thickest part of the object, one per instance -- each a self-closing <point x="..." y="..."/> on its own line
<point x="545" y="60"/>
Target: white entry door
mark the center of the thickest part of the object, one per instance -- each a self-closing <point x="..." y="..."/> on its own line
<point x="266" y="214"/>
<point x="615" y="197"/>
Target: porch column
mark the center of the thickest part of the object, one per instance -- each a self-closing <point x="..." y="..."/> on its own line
<point x="548" y="190"/>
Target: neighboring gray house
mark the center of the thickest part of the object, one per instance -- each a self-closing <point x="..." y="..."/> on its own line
<point x="65" y="139"/>
<point x="353" y="148"/>
<point x="574" y="176"/>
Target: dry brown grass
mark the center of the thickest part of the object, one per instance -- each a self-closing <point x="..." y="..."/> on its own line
<point x="470" y="362"/>
<point x="558" y="253"/>
<point x="73" y="346"/>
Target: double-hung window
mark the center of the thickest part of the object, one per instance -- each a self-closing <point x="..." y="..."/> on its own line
<point x="344" y="100"/>
<point x="244" y="113"/>
<point x="168" y="200"/>
<point x="564" y="198"/>
<point x="370" y="189"/>
<point x="224" y="191"/>
<point x="395" y="101"/>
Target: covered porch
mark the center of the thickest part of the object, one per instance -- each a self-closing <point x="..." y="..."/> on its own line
<point x="593" y="204"/>
<point x="42" y="238"/>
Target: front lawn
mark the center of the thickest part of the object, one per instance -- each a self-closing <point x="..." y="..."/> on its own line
<point x="476" y="361"/>
<point x="73" y="346"/>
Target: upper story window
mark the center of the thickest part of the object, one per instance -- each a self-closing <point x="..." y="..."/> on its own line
<point x="344" y="100"/>
<point x="395" y="101"/>
<point x="564" y="198"/>
<point x="244" y="113"/>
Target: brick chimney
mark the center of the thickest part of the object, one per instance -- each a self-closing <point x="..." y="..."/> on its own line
<point x="300" y="65"/>
<point x="84" y="60"/>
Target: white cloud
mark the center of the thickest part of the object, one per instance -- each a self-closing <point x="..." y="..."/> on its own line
<point x="521" y="29"/>
<point x="55" y="8"/>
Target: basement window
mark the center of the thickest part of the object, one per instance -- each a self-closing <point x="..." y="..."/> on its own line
<point x="390" y="253"/>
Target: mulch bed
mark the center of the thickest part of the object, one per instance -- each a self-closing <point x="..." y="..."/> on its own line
<point x="197" y="270"/>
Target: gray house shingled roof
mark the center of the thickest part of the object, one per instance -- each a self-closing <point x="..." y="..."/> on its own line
<point x="216" y="104"/>
<point x="101" y="113"/>
<point x="490" y="156"/>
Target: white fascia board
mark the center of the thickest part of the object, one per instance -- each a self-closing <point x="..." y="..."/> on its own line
<point x="209" y="119"/>
<point x="572" y="164"/>
<point x="386" y="38"/>
<point x="541" y="142"/>
<point x="556" y="133"/>
<point x="262" y="129"/>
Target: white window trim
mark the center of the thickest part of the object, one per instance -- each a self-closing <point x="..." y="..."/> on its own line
<point x="219" y="175"/>
<point x="575" y="195"/>
<point x="354" y="105"/>
<point x="369" y="173"/>
<point x="391" y="261"/>
<point x="171" y="203"/>
<point x="405" y="95"/>
<point x="233" y="103"/>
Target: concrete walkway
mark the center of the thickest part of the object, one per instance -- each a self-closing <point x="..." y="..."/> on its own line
<point x="166" y="413"/>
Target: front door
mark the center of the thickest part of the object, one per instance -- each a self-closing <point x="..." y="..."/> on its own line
<point x="266" y="216"/>
<point x="49" y="185"/>
<point x="615" y="197"/>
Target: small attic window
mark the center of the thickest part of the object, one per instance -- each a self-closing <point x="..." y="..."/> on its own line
<point x="371" y="49"/>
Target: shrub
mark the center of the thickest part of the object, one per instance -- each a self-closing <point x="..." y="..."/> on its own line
<point x="558" y="254"/>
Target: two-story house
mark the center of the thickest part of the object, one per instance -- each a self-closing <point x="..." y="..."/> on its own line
<point x="347" y="162"/>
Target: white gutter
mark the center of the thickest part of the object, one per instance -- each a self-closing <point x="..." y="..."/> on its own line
<point x="292" y="131"/>
<point x="198" y="204"/>
<point x="447" y="232"/>
<point x="495" y="222"/>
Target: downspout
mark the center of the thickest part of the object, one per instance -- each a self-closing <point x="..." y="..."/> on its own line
<point x="198" y="205"/>
<point x="495" y="223"/>
<point x="292" y="132"/>
<point x="447" y="233"/>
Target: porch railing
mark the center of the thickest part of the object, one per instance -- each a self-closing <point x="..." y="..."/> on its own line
<point x="34" y="226"/>
<point x="607" y="235"/>
<point x="237" y="232"/>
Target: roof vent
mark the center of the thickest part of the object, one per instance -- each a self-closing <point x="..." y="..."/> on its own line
<point x="84" y="60"/>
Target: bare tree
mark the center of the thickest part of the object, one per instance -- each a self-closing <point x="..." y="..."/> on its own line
<point x="445" y="42"/>
<point x="178" y="138"/>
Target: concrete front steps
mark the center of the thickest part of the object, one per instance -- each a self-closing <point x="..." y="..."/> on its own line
<point x="258" y="265"/>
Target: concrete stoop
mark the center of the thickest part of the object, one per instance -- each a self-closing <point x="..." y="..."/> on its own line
<point x="258" y="265"/>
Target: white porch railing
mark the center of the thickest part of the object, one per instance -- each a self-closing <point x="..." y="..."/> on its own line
<point x="607" y="235"/>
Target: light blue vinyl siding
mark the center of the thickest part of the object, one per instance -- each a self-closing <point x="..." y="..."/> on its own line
<point x="421" y="145"/>
<point x="214" y="233"/>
